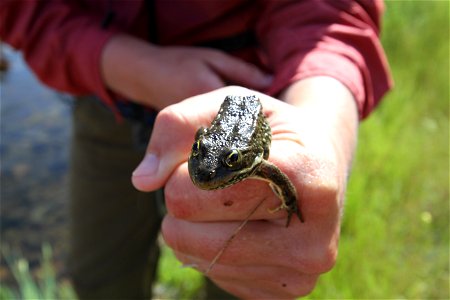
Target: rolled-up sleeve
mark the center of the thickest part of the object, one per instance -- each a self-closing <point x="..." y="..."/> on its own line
<point x="340" y="39"/>
<point x="61" y="41"/>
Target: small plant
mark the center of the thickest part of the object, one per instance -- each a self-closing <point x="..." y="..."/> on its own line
<point x="174" y="280"/>
<point x="46" y="286"/>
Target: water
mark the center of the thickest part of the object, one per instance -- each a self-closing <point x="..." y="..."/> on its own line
<point x="35" y="126"/>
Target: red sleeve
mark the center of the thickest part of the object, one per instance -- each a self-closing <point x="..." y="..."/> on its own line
<point x="332" y="38"/>
<point x="61" y="42"/>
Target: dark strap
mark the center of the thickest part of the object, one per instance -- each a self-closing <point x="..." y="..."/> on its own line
<point x="232" y="43"/>
<point x="152" y="26"/>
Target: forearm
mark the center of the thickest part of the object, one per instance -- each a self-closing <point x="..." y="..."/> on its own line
<point x="158" y="76"/>
<point x="155" y="76"/>
<point x="121" y="60"/>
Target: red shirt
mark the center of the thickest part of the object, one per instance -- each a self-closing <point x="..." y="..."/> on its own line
<point x="62" y="40"/>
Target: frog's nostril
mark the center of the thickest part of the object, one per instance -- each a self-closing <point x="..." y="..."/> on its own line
<point x="204" y="175"/>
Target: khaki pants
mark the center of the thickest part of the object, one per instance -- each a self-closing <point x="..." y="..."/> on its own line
<point x="114" y="227"/>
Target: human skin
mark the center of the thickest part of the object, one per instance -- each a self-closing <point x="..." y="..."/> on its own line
<point x="141" y="71"/>
<point x="314" y="135"/>
<point x="314" y="131"/>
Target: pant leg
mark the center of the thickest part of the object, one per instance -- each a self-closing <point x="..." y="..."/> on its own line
<point x="113" y="226"/>
<point x="213" y="292"/>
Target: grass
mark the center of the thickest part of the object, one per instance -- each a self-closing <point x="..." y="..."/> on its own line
<point x="395" y="232"/>
<point x="174" y="281"/>
<point x="43" y="285"/>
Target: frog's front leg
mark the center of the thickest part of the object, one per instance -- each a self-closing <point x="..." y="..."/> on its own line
<point x="282" y="187"/>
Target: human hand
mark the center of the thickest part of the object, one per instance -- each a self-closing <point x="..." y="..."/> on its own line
<point x="265" y="260"/>
<point x="159" y="76"/>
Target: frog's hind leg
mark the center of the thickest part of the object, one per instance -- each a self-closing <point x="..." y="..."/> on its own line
<point x="277" y="191"/>
<point x="282" y="187"/>
<point x="290" y="209"/>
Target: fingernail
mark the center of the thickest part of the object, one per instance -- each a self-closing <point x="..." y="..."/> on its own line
<point x="148" y="166"/>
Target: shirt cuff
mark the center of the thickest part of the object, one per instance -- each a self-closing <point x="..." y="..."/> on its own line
<point x="324" y="63"/>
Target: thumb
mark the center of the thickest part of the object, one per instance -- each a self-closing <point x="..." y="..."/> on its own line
<point x="173" y="135"/>
<point x="169" y="146"/>
<point x="172" y="138"/>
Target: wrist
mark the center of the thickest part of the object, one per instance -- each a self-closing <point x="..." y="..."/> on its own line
<point x="329" y="117"/>
<point x="121" y="65"/>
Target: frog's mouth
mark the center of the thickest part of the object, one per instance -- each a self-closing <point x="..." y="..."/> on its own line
<point x="213" y="179"/>
<point x="208" y="179"/>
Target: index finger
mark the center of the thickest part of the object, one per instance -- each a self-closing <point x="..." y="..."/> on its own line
<point x="188" y="202"/>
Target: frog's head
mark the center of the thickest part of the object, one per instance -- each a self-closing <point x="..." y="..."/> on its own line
<point x="215" y="164"/>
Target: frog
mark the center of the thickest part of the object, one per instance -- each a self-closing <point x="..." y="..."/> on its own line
<point x="235" y="147"/>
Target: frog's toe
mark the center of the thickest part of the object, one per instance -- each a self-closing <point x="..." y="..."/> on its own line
<point x="278" y="208"/>
<point x="289" y="210"/>
<point x="299" y="215"/>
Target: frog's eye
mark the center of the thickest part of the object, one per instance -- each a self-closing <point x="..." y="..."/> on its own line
<point x="195" y="148"/>
<point x="233" y="157"/>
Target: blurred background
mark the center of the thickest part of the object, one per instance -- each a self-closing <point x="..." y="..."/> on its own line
<point x="395" y="232"/>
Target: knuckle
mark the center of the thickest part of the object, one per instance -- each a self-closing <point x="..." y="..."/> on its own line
<point x="298" y="285"/>
<point x="328" y="261"/>
<point x="177" y="203"/>
<point x="170" y="122"/>
<point x="315" y="259"/>
<point x="165" y="122"/>
<point x="324" y="191"/>
<point x="322" y="262"/>
<point x="307" y="286"/>
<point x="206" y="82"/>
<point x="165" y="118"/>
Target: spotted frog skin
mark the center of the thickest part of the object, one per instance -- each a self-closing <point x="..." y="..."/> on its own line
<point x="235" y="147"/>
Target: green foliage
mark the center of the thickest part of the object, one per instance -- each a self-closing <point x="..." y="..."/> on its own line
<point x="176" y="281"/>
<point x="29" y="288"/>
<point x="395" y="233"/>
